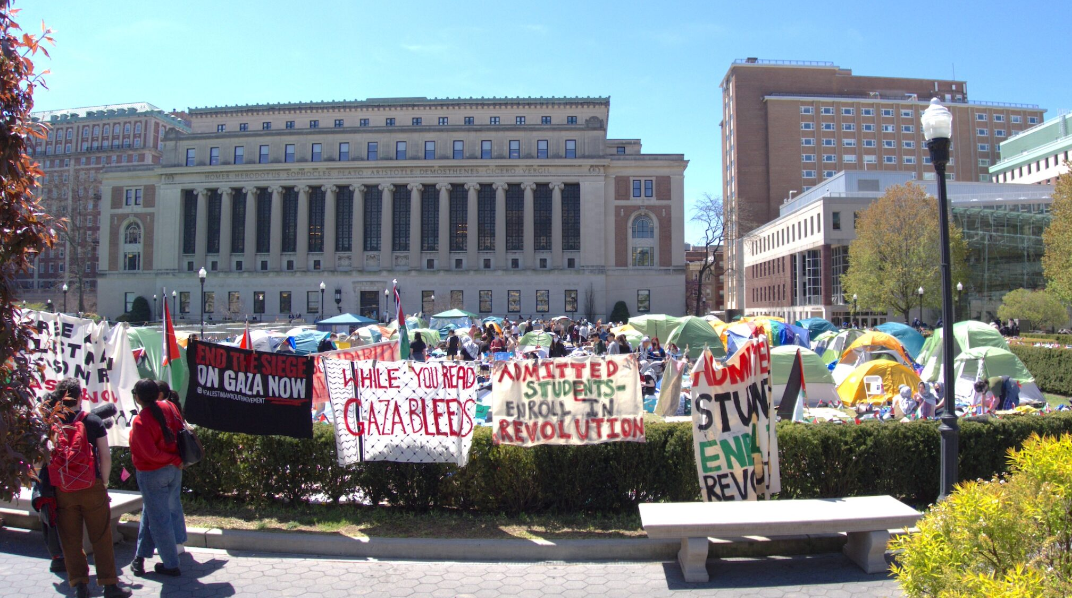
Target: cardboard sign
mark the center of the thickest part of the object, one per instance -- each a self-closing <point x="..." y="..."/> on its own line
<point x="97" y="355"/>
<point x="403" y="411"/>
<point x="385" y="351"/>
<point x="567" y="401"/>
<point x="249" y="392"/>
<point x="732" y="428"/>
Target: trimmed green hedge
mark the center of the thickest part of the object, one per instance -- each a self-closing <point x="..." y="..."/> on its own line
<point x="1065" y="339"/>
<point x="817" y="460"/>
<point x="1052" y="368"/>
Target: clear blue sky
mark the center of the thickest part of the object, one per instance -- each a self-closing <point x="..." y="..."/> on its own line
<point x="660" y="63"/>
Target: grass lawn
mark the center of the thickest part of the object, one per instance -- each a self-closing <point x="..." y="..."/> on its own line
<point x="1055" y="400"/>
<point x="360" y="521"/>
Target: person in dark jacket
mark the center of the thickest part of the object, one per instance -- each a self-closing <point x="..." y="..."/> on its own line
<point x="417" y="348"/>
<point x="453" y="345"/>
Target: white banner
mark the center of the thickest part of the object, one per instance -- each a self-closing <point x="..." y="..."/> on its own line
<point x="567" y="401"/>
<point x="734" y="435"/>
<point x="97" y="355"/>
<point x="404" y="411"/>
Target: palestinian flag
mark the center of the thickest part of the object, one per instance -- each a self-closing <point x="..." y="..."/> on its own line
<point x="170" y="349"/>
<point x="403" y="334"/>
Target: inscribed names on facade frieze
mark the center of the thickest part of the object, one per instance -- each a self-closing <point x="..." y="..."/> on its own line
<point x="381" y="172"/>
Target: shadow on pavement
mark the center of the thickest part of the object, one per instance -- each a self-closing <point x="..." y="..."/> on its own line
<point x="795" y="571"/>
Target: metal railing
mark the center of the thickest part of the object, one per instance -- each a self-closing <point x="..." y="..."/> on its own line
<point x="784" y="62"/>
<point x="1002" y="104"/>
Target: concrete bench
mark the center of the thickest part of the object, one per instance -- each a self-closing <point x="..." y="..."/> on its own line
<point x="19" y="512"/>
<point x="866" y="519"/>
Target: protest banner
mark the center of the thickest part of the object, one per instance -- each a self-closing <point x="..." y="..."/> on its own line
<point x="567" y="401"/>
<point x="403" y="411"/>
<point x="733" y="436"/>
<point x="385" y="351"/>
<point x="96" y="354"/>
<point x="249" y="392"/>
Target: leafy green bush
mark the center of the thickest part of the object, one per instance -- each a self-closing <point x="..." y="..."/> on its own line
<point x="1052" y="368"/>
<point x="817" y="461"/>
<point x="1010" y="536"/>
<point x="620" y="313"/>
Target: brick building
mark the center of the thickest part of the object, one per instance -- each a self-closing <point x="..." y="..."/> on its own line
<point x="712" y="283"/>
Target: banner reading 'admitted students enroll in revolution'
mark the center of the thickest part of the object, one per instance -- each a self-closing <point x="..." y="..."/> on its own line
<point x="733" y="435"/>
<point x="249" y="392"/>
<point x="567" y="401"/>
<point x="403" y="411"/>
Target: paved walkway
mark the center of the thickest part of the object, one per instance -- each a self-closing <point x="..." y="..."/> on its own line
<point x="212" y="573"/>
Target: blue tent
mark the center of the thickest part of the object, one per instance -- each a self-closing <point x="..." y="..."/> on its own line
<point x="307" y="341"/>
<point x="817" y="326"/>
<point x="910" y="339"/>
<point x="343" y="321"/>
<point x="794" y="335"/>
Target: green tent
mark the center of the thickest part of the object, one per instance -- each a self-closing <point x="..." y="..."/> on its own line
<point x="815" y="371"/>
<point x="151" y="340"/>
<point x="696" y="333"/>
<point x="836" y="346"/>
<point x="969" y="334"/>
<point x="656" y="325"/>
<point x="429" y="336"/>
<point x="995" y="362"/>
<point x="817" y="326"/>
<point x="534" y="340"/>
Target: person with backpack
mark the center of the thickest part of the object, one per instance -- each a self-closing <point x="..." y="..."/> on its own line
<point x="155" y="454"/>
<point x="79" y="467"/>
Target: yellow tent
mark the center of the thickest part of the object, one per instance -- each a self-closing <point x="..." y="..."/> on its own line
<point x="876" y="382"/>
<point x="871" y="341"/>
<point x="622" y="329"/>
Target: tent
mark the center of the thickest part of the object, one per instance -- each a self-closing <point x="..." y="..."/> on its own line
<point x="533" y="340"/>
<point x="343" y="322"/>
<point x="695" y="333"/>
<point x="872" y="342"/>
<point x="817" y="379"/>
<point x="986" y="362"/>
<point x="737" y="333"/>
<point x="493" y="320"/>
<point x="655" y="325"/>
<point x="966" y="335"/>
<point x="429" y="336"/>
<point x="876" y="382"/>
<point x="817" y="326"/>
<point x="911" y="340"/>
<point x="820" y="342"/>
<point x="713" y="319"/>
<point x="151" y="340"/>
<point x="456" y="317"/>
<point x="411" y="322"/>
<point x="837" y="346"/>
<point x="789" y="334"/>
<point x="307" y="341"/>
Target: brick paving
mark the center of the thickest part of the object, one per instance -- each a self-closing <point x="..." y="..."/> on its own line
<point x="211" y="573"/>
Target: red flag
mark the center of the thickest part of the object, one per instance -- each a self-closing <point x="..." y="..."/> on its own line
<point x="171" y="344"/>
<point x="247" y="340"/>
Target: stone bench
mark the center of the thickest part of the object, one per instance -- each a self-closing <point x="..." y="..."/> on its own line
<point x="866" y="519"/>
<point x="19" y="512"/>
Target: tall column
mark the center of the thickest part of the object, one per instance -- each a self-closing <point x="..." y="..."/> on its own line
<point x="472" y="226"/>
<point x="500" y="225"/>
<point x="330" y="192"/>
<point x="302" y="241"/>
<point x="276" y="240"/>
<point x="226" y="195"/>
<point x="358" y="244"/>
<point x="250" y="255"/>
<point x="444" y="225"/>
<point x="201" y="231"/>
<point x="556" y="225"/>
<point x="530" y="222"/>
<point x="387" y="229"/>
<point x="415" y="190"/>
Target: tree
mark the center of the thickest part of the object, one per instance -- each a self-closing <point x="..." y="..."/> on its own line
<point x="78" y="241"/>
<point x="709" y="214"/>
<point x="897" y="250"/>
<point x="140" y="312"/>
<point x="620" y="313"/>
<point x="1057" y="239"/>
<point x="25" y="231"/>
<point x="1043" y="308"/>
<point x="590" y="303"/>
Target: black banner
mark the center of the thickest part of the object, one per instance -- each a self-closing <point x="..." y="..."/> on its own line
<point x="235" y="390"/>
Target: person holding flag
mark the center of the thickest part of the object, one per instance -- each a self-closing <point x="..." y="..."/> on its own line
<point x="403" y="334"/>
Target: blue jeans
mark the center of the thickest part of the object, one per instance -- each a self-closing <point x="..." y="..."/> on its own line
<point x="162" y="523"/>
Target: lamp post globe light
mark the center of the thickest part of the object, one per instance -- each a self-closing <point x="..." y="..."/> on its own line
<point x="854" y="309"/>
<point x="48" y="306"/>
<point x="201" y="274"/>
<point x="174" y="298"/>
<point x="65" y="289"/>
<point x="154" y="306"/>
<point x="960" y="289"/>
<point x="323" y="287"/>
<point x="920" y="291"/>
<point x="937" y="124"/>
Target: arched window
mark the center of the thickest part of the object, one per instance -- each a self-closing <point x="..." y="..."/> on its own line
<point x="126" y="128"/>
<point x="137" y="127"/>
<point x="643" y="228"/>
<point x="642" y="249"/>
<point x="132" y="247"/>
<point x="133" y="234"/>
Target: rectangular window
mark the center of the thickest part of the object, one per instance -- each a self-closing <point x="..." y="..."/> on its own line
<point x="620" y="150"/>
<point x="191" y="155"/>
<point x="400" y="220"/>
<point x="258" y="302"/>
<point x="390" y="122"/>
<point x="541" y="203"/>
<point x="515" y="218"/>
<point x="400" y="150"/>
<point x="210" y="302"/>
<point x="264" y="220"/>
<point x="519" y="120"/>
<point x="513" y="301"/>
<point x="494" y="120"/>
<point x="314" y="124"/>
<point x="284" y="302"/>
<point x="984" y="147"/>
<point x="243" y="126"/>
<point x="888" y="143"/>
<point x="887" y="112"/>
<point x="289" y="124"/>
<point x="906" y="114"/>
<point x="571" y="148"/>
<point x="829" y="157"/>
<point x="984" y="162"/>
<point x="908" y="144"/>
<point x="847" y="111"/>
<point x="515" y="149"/>
<point x="221" y="128"/>
<point x="571" y="120"/>
<point x="543" y="301"/>
<point x="416" y="121"/>
<point x="459" y="150"/>
<point x="807" y="126"/>
<point x="808" y="174"/>
<point x="486" y="218"/>
<point x="999" y="118"/>
<point x="849" y="158"/>
<point x="869" y="128"/>
<point x="317" y="201"/>
<point x="808" y="142"/>
<point x="338" y="123"/>
<point x="459" y="217"/>
<point x="828" y="126"/>
<point x="344" y="151"/>
<point x="870" y="159"/>
<point x="262" y="156"/>
<point x="429" y="150"/>
<point x="469" y="120"/>
<point x="184" y="302"/>
<point x="571" y="217"/>
<point x="571" y="301"/>
<point x="485" y="302"/>
<point x="1016" y="119"/>
<point x="266" y="126"/>
<point x="649" y="188"/>
<point x="848" y="127"/>
<point x="541" y="149"/>
<point x="848" y="142"/>
<point x="457" y="299"/>
<point x="373" y="152"/>
<point x="545" y="120"/>
<point x="889" y="159"/>
<point x="373" y="211"/>
<point x="443" y="121"/>
<point x="636" y="187"/>
<point x="428" y="302"/>
<point x="828" y="173"/>
<point x="344" y="219"/>
<point x="807" y="157"/>
<point x="999" y="132"/>
<point x="828" y="110"/>
<point x="643" y="301"/>
<point x="807" y="110"/>
<point x="290" y="220"/>
<point x="129" y="197"/>
<point x="835" y="220"/>
<point x="982" y="132"/>
<point x="828" y="143"/>
<point x="485" y="150"/>
<point x="907" y="128"/>
<point x="909" y="159"/>
<point x="189" y="224"/>
<point x="234" y="302"/>
<point x="239" y="154"/>
<point x="312" y="302"/>
<point x="316" y="153"/>
<point x="980" y="116"/>
<point x="430" y="219"/>
<point x="362" y="122"/>
<point x="288" y="153"/>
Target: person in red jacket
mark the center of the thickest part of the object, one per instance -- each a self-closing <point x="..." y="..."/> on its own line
<point x="155" y="455"/>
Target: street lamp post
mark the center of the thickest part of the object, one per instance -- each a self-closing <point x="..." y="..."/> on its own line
<point x="323" y="286"/>
<point x="920" y="291"/>
<point x="937" y="129"/>
<point x="48" y="306"/>
<point x="154" y="307"/>
<point x="201" y="274"/>
<point x="174" y="298"/>
<point x="65" y="289"/>
<point x="854" y="309"/>
<point x="386" y="305"/>
<point x="338" y="299"/>
<point x="960" y="289"/>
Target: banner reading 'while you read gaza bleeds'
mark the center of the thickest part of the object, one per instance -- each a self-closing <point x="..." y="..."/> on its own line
<point x="734" y="437"/>
<point x="567" y="401"/>
<point x="403" y="411"/>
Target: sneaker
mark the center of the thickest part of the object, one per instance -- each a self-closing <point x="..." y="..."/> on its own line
<point x="116" y="591"/>
<point x="58" y="565"/>
<point x="137" y="566"/>
<point x="81" y="591"/>
<point x="162" y="570"/>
